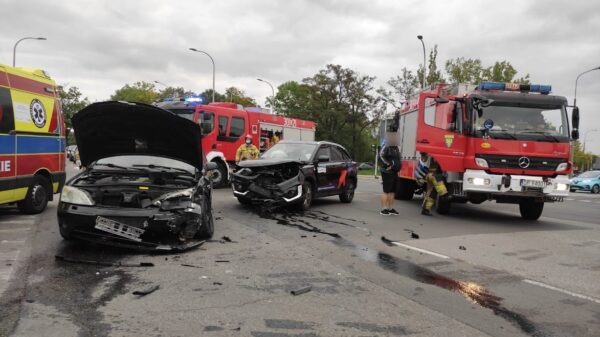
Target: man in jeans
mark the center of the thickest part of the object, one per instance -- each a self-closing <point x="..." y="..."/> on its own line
<point x="390" y="166"/>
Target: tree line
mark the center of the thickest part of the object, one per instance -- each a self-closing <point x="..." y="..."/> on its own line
<point x="343" y="102"/>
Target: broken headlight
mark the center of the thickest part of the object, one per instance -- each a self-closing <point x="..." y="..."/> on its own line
<point x="73" y="195"/>
<point x="174" y="195"/>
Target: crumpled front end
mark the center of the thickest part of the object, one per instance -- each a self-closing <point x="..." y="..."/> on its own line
<point x="276" y="184"/>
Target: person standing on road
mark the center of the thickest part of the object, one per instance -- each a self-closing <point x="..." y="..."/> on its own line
<point x="434" y="186"/>
<point x="247" y="151"/>
<point x="390" y="166"/>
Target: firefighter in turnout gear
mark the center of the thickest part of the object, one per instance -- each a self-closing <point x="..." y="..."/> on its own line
<point x="247" y="151"/>
<point x="434" y="186"/>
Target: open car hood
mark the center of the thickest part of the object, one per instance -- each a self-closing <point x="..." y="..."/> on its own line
<point x="265" y="162"/>
<point x="106" y="129"/>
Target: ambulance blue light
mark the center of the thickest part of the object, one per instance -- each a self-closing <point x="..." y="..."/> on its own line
<point x="194" y="99"/>
<point x="168" y="100"/>
<point x="541" y="88"/>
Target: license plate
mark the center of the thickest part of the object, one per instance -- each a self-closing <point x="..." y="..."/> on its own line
<point x="117" y="228"/>
<point x="533" y="183"/>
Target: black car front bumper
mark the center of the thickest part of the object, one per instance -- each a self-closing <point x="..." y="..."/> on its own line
<point x="254" y="189"/>
<point x="162" y="229"/>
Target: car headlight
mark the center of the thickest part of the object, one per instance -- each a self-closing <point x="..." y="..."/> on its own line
<point x="562" y="187"/>
<point x="481" y="162"/>
<point x="562" y="166"/>
<point x="73" y="195"/>
<point x="478" y="181"/>
<point x="173" y="195"/>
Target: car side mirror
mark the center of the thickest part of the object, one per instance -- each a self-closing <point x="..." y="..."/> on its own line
<point x="575" y="122"/>
<point x="323" y="158"/>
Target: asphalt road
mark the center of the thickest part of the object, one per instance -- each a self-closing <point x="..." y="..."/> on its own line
<point x="511" y="277"/>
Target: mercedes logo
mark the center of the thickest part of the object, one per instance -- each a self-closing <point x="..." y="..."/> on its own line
<point x="524" y="162"/>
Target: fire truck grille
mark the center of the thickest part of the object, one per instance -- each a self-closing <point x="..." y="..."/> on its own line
<point x="522" y="162"/>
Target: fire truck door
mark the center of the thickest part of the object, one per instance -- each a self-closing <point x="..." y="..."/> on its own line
<point x="439" y="132"/>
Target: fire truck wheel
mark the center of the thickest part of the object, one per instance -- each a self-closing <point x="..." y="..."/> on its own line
<point x="37" y="196"/>
<point x="442" y="205"/>
<point x="531" y="209"/>
<point x="348" y="193"/>
<point x="219" y="176"/>
<point x="405" y="190"/>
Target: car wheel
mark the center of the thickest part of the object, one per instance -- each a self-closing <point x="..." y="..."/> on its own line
<point x="572" y="191"/>
<point x="219" y="176"/>
<point x="208" y="226"/>
<point x="348" y="193"/>
<point x="37" y="196"/>
<point x="596" y="189"/>
<point x="531" y="209"/>
<point x="308" y="191"/>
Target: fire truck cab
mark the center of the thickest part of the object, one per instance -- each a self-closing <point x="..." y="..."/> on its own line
<point x="225" y="126"/>
<point x="495" y="141"/>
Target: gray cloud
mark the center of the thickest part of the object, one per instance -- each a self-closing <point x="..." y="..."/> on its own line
<point x="101" y="45"/>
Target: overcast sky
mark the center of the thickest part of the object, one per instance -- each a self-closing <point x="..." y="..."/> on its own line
<point x="99" y="46"/>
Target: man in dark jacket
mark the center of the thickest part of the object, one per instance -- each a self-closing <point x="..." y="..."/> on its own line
<point x="390" y="166"/>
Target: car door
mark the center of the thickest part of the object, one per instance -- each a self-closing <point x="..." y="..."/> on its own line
<point x="328" y="170"/>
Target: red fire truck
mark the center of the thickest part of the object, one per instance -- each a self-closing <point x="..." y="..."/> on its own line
<point x="495" y="141"/>
<point x="225" y="126"/>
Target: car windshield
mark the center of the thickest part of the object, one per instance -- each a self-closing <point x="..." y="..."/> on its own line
<point x="185" y="113"/>
<point x="133" y="161"/>
<point x="521" y="121"/>
<point x="589" y="174"/>
<point x="292" y="151"/>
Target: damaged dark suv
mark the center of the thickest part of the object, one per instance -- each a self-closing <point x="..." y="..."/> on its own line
<point x="143" y="184"/>
<point x="294" y="173"/>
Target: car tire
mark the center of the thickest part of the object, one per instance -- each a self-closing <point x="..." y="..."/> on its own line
<point x="531" y="209"/>
<point x="208" y="227"/>
<point x="405" y="190"/>
<point x="37" y="196"/>
<point x="307" y="197"/>
<point x="244" y="201"/>
<point x="219" y="176"/>
<point x="347" y="194"/>
<point x="596" y="189"/>
<point x="572" y="191"/>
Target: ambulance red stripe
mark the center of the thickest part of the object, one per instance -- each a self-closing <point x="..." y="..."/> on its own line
<point x="22" y="83"/>
<point x="29" y="164"/>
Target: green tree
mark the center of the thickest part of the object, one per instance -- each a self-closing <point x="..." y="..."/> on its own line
<point x="207" y="96"/>
<point x="293" y="100"/>
<point x="238" y="96"/>
<point x="581" y="160"/>
<point x="71" y="100"/>
<point x="172" y="92"/>
<point x="142" y="92"/>
<point x="461" y="70"/>
<point x="403" y="86"/>
<point x="434" y="75"/>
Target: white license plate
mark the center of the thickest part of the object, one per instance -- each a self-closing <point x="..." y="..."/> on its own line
<point x="533" y="183"/>
<point x="117" y="228"/>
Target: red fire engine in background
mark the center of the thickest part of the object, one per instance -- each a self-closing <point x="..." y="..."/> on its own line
<point x="495" y="141"/>
<point x="225" y="126"/>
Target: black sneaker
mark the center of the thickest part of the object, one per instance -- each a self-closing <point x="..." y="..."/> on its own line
<point x="393" y="212"/>
<point x="384" y="212"/>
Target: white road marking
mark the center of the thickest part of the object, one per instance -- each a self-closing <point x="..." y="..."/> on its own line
<point x="11" y="230"/>
<point x="420" y="250"/>
<point x="12" y="241"/>
<point x="584" y="200"/>
<point x="547" y="286"/>
<point x="569" y="199"/>
<point x="17" y="222"/>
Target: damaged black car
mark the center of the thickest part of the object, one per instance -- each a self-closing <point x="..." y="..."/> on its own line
<point x="295" y="173"/>
<point x="144" y="182"/>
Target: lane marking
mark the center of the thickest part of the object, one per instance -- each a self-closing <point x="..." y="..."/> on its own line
<point x="420" y="250"/>
<point x="569" y="199"/>
<point x="584" y="200"/>
<point x="547" y="286"/>
<point x="12" y="241"/>
<point x="14" y="230"/>
<point x="17" y="222"/>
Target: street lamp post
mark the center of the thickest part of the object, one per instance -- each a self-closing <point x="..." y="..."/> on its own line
<point x="272" y="92"/>
<point x="577" y="80"/>
<point x="22" y="39"/>
<point x="161" y="83"/>
<point x="213" y="64"/>
<point x="420" y="37"/>
<point x="585" y="140"/>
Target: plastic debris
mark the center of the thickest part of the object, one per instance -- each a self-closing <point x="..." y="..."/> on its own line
<point x="146" y="291"/>
<point x="301" y="291"/>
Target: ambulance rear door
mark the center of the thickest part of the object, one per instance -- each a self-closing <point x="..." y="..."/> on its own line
<point x="7" y="142"/>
